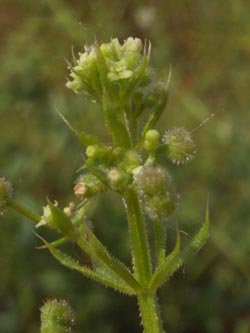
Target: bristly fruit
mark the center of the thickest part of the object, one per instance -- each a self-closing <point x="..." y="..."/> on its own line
<point x="155" y="188"/>
<point x="152" y="181"/>
<point x="57" y="317"/>
<point x="87" y="186"/>
<point x="161" y="207"/>
<point x="180" y="145"/>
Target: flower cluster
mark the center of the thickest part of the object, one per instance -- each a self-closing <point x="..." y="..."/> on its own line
<point x="109" y="66"/>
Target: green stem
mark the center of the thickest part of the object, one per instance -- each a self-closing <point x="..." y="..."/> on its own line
<point x="148" y="305"/>
<point x="118" y="131"/>
<point x="150" y="316"/>
<point x="24" y="211"/>
<point x="141" y="254"/>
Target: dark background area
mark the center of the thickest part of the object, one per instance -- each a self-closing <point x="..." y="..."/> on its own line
<point x="208" y="45"/>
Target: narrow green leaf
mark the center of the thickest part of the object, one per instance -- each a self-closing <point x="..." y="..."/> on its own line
<point x="162" y="272"/>
<point x="84" y="138"/>
<point x="109" y="261"/>
<point x="195" y="246"/>
<point x="155" y="114"/>
<point x="55" y="243"/>
<point x="106" y="279"/>
<point x="198" y="241"/>
<point x="159" y="230"/>
<point x="100" y="174"/>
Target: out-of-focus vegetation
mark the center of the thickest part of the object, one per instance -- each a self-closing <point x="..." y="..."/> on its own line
<point x="208" y="45"/>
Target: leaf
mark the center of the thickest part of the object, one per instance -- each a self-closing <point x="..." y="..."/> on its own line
<point x="159" y="230"/>
<point x="101" y="277"/>
<point x="100" y="174"/>
<point x="198" y="241"/>
<point x="195" y="245"/>
<point x="84" y="138"/>
<point x="109" y="261"/>
<point x="155" y="114"/>
<point x="162" y="272"/>
<point x="55" y="243"/>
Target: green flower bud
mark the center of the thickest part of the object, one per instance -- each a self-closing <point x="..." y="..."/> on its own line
<point x="57" y="317"/>
<point x="161" y="206"/>
<point x="131" y="161"/>
<point x="95" y="153"/>
<point x="107" y="50"/>
<point x="6" y="194"/>
<point x="117" y="151"/>
<point x="151" y="181"/>
<point x="87" y="186"/>
<point x="180" y="145"/>
<point x="118" y="179"/>
<point x="151" y="140"/>
<point x="132" y="45"/>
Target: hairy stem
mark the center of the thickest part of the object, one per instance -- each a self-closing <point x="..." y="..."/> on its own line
<point x="149" y="312"/>
<point x="141" y="254"/>
<point x="148" y="305"/>
<point x="24" y="211"/>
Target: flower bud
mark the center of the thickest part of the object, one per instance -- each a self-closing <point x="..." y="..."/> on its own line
<point x="6" y="194"/>
<point x="95" y="153"/>
<point x="132" y="45"/>
<point x="152" y="181"/>
<point x="131" y="161"/>
<point x="180" y="145"/>
<point x="118" y="179"/>
<point x="151" y="140"/>
<point x="57" y="317"/>
<point x="87" y="186"/>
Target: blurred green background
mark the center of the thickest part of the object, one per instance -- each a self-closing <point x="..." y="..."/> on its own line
<point x="208" y="45"/>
